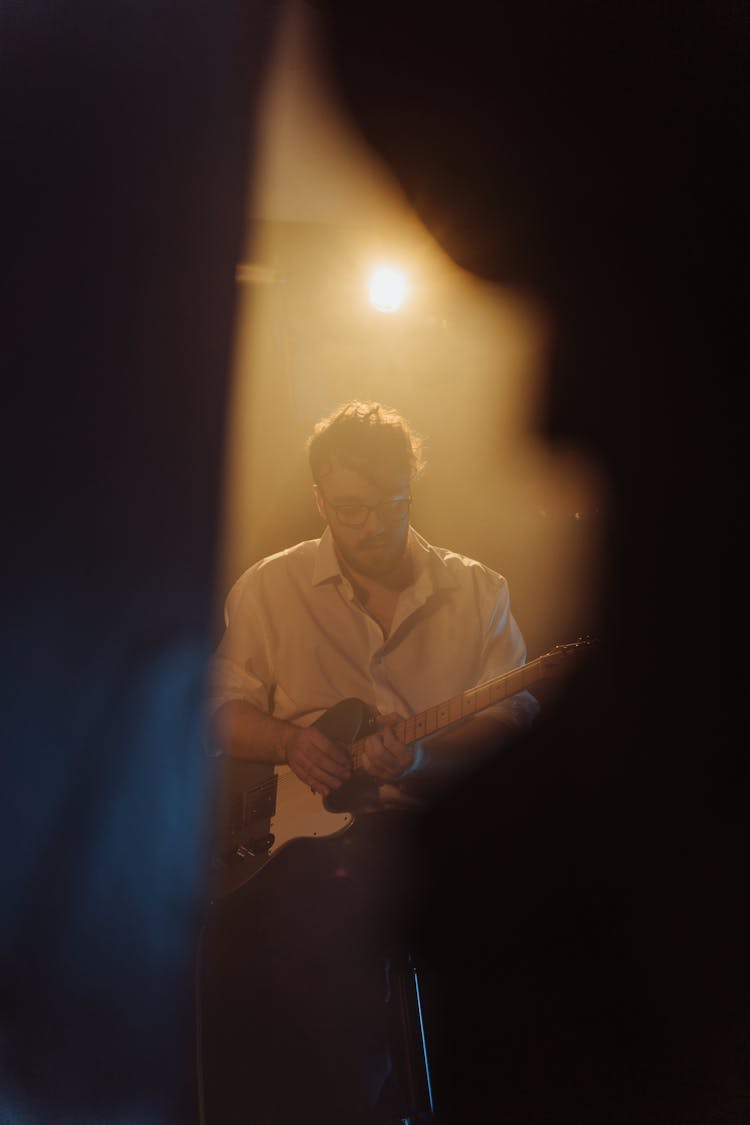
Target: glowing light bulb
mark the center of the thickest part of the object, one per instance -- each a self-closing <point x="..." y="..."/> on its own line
<point x="387" y="289"/>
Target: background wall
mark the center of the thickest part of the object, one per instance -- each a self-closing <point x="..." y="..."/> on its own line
<point x="463" y="360"/>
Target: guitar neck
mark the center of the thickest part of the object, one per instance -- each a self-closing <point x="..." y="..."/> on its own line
<point x="462" y="706"/>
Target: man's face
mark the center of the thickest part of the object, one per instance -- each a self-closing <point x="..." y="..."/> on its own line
<point x="377" y="547"/>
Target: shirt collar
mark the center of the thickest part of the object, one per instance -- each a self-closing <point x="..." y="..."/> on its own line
<point x="326" y="564"/>
<point x="429" y="566"/>
<point x="431" y="570"/>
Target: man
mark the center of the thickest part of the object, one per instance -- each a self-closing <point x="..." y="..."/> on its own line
<point x="371" y="612"/>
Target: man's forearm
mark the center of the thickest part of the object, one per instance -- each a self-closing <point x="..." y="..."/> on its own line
<point x="241" y="730"/>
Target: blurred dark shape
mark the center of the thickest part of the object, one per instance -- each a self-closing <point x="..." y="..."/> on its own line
<point x="125" y="135"/>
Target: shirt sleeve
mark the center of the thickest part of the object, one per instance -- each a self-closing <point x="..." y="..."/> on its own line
<point x="239" y="668"/>
<point x="504" y="649"/>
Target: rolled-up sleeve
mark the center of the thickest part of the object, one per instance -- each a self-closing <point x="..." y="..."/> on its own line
<point x="504" y="649"/>
<point x="239" y="668"/>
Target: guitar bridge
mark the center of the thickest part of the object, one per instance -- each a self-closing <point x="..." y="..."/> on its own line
<point x="255" y="848"/>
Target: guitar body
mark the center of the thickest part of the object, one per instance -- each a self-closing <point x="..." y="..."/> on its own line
<point x="265" y="807"/>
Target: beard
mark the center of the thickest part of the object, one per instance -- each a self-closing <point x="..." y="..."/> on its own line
<point x="377" y="556"/>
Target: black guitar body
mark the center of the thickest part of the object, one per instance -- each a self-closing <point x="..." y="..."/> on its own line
<point x="262" y="807"/>
<point x="344" y="723"/>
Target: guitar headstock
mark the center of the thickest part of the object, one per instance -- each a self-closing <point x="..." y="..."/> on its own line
<point x="565" y="654"/>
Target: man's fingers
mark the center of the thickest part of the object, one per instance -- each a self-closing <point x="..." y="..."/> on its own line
<point x="323" y="771"/>
<point x="397" y="754"/>
<point x="389" y="759"/>
<point x="329" y="755"/>
<point x="317" y="761"/>
<point x="323" y="780"/>
<point x="386" y="756"/>
<point x="385" y="722"/>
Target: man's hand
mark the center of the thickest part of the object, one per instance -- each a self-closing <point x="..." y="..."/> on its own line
<point x="315" y="759"/>
<point x="383" y="755"/>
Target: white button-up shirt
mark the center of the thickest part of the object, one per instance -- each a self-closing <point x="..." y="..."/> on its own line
<point x="297" y="641"/>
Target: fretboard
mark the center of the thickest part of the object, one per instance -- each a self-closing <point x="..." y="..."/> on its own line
<point x="470" y="702"/>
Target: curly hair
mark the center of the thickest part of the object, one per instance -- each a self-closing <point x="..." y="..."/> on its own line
<point x="368" y="436"/>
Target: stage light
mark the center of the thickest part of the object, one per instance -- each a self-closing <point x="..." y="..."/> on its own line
<point x="387" y="289"/>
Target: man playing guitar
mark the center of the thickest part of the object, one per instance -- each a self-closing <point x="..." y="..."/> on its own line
<point x="372" y="614"/>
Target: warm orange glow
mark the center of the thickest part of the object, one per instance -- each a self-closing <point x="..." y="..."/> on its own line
<point x="464" y="360"/>
<point x="387" y="289"/>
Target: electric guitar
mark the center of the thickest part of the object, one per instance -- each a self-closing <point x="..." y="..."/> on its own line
<point x="262" y="808"/>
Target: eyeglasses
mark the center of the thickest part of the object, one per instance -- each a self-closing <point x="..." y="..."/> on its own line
<point x="356" y="515"/>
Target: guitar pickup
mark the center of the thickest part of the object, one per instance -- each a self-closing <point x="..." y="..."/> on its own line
<point x="253" y="805"/>
<point x="260" y="804"/>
